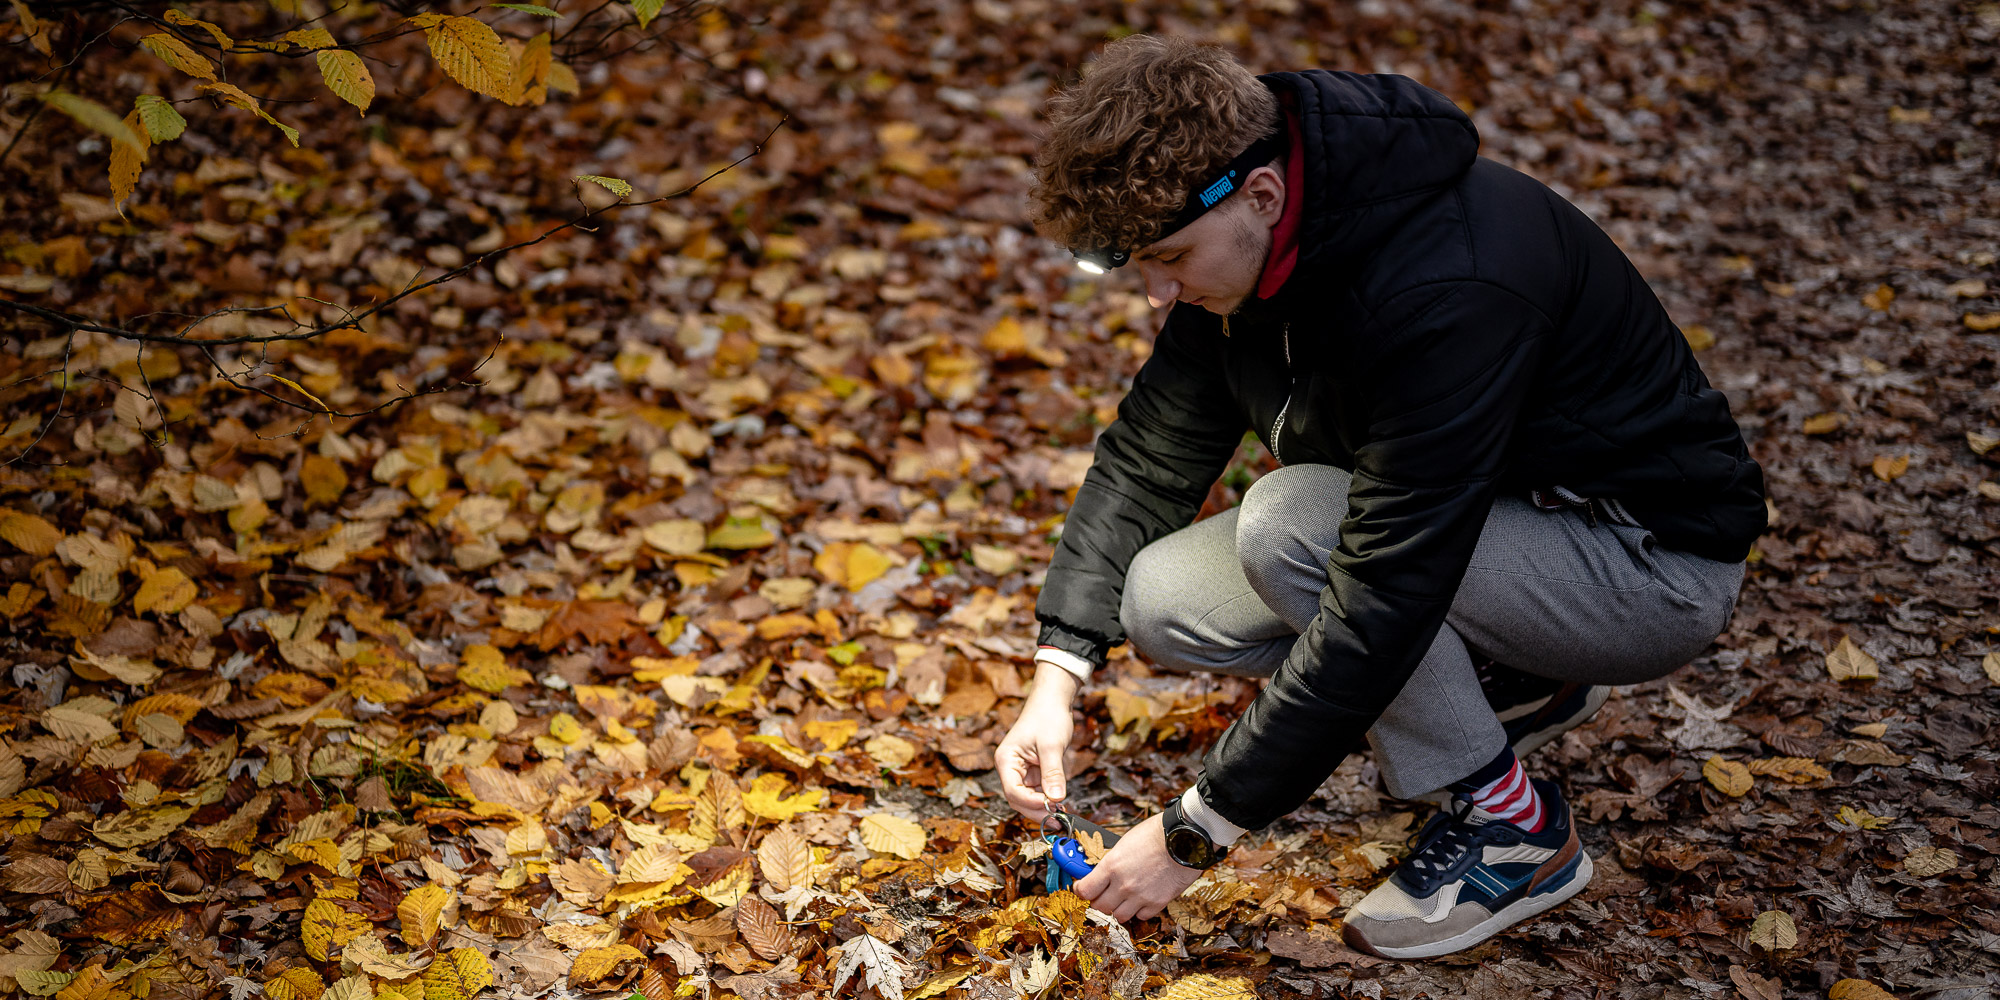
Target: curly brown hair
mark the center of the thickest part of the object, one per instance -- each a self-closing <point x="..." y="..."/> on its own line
<point x="1151" y="118"/>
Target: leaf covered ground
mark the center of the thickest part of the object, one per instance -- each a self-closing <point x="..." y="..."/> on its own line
<point x="669" y="657"/>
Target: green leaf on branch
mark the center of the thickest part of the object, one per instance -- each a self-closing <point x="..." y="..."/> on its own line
<point x="621" y="188"/>
<point x="647" y="10"/>
<point x="98" y="118"/>
<point x="161" y="121"/>
<point x="531" y="8"/>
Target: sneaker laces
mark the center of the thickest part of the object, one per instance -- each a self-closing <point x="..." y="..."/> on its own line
<point x="1437" y="848"/>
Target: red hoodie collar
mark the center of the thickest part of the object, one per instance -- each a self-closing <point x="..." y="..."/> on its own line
<point x="1285" y="235"/>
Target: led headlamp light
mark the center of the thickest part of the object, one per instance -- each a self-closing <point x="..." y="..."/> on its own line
<point x="1200" y="200"/>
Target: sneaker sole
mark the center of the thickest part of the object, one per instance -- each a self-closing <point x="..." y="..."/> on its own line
<point x="1535" y="739"/>
<point x="1521" y="909"/>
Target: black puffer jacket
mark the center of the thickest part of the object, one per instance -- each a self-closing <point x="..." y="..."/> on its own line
<point x="1456" y="331"/>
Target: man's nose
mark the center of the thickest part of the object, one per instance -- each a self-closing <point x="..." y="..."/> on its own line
<point x="1160" y="289"/>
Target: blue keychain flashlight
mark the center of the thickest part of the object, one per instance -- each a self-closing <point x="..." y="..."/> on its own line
<point x="1066" y="859"/>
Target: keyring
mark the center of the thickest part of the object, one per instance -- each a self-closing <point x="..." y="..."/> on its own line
<point x="1057" y="815"/>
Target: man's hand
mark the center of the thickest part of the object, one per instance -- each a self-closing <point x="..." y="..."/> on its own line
<point x="1033" y="760"/>
<point x="1138" y="877"/>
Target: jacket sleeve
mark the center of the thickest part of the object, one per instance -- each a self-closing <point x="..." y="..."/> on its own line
<point x="1176" y="430"/>
<point x="1443" y="401"/>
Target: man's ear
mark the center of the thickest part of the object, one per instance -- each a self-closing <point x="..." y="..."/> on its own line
<point x="1265" y="190"/>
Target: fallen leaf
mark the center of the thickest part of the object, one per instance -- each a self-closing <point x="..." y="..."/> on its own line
<point x="1927" y="861"/>
<point x="1858" y="989"/>
<point x="1729" y="777"/>
<point x="1848" y="663"/>
<point x="1773" y="930"/>
<point x="891" y="834"/>
<point x="1889" y="469"/>
<point x="1752" y="986"/>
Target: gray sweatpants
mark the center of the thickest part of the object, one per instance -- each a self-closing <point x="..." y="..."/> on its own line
<point x="1547" y="593"/>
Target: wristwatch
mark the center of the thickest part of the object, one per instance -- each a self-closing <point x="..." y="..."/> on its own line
<point x="1187" y="843"/>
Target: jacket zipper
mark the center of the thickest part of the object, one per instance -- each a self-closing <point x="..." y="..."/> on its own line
<point x="1278" y="425"/>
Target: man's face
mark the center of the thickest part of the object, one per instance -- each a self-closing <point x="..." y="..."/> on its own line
<point x="1215" y="262"/>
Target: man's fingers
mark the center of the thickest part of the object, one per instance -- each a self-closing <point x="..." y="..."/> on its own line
<point x="1053" y="780"/>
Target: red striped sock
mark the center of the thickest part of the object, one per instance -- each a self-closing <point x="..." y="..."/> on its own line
<point x="1511" y="797"/>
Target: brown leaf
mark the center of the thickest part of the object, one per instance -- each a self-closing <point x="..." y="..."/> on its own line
<point x="37" y="874"/>
<point x="763" y="929"/>
<point x="1753" y="986"/>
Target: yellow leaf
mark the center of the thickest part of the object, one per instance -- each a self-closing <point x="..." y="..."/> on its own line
<point x="832" y="734"/>
<point x="729" y="889"/>
<point x="888" y="834"/>
<point x="1699" y="337"/>
<point x="1858" y="989"/>
<point x="1982" y="322"/>
<point x="296" y="983"/>
<point x="1797" y="770"/>
<point x="675" y="536"/>
<point x="347" y="76"/>
<point x="563" y="726"/>
<point x="323" y="478"/>
<point x="1847" y="662"/>
<point x="594" y="964"/>
<point x="178" y="17"/>
<point x="562" y="79"/>
<point x="653" y="864"/>
<point x="1824" y="423"/>
<point x="321" y="851"/>
<point x="766" y="798"/>
<point x="420" y="911"/>
<point x="29" y="533"/>
<point x="326" y="925"/>
<point x="458" y="974"/>
<point x="299" y="388"/>
<point x="485" y="669"/>
<point x="236" y="98"/>
<point x="167" y="591"/>
<point x="1991" y="664"/>
<point x="470" y="52"/>
<point x="1889" y="469"/>
<point x="1980" y="443"/>
<point x="1857" y="816"/>
<point x="177" y="54"/>
<point x="851" y="564"/>
<point x="741" y="533"/>
<point x="531" y="72"/>
<point x="1729" y="777"/>
<point x="1203" y="986"/>
<point x="1773" y="930"/>
<point x="1880" y="298"/>
<point x="126" y="162"/>
<point x="890" y="751"/>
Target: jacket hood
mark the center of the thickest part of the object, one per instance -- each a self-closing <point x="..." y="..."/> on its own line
<point x="1376" y="147"/>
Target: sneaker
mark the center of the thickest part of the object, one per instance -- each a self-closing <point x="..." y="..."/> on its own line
<point x="1535" y="710"/>
<point x="1470" y="877"/>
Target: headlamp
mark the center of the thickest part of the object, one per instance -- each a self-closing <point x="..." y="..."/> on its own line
<point x="1200" y="200"/>
<point x="1100" y="261"/>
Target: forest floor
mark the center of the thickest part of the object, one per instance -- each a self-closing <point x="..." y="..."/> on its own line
<point x="670" y="656"/>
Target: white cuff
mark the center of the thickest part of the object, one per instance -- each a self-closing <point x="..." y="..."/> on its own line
<point x="1074" y="664"/>
<point x="1221" y="831"/>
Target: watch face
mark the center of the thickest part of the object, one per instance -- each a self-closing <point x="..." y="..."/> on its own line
<point x="1189" y="847"/>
